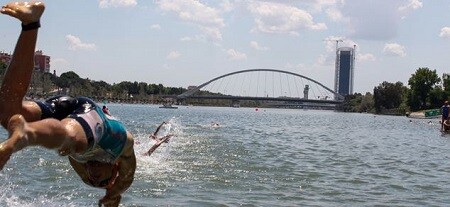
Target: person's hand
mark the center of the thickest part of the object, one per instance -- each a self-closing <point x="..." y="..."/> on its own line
<point x="108" y="201"/>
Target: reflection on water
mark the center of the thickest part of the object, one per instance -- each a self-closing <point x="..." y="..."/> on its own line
<point x="271" y="157"/>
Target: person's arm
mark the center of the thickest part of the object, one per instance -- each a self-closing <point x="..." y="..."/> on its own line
<point x="446" y="123"/>
<point x="157" y="144"/>
<point x="166" y="138"/>
<point x="153" y="136"/>
<point x="80" y="169"/>
<point x="127" y="167"/>
<point x="17" y="77"/>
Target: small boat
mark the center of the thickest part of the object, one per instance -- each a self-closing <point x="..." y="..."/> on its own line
<point x="168" y="106"/>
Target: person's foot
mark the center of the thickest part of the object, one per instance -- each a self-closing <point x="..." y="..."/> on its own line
<point x="17" y="139"/>
<point x="26" y="12"/>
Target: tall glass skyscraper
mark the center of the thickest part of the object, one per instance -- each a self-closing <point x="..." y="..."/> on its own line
<point x="345" y="62"/>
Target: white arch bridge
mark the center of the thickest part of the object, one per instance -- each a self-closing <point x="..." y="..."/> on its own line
<point x="264" y="85"/>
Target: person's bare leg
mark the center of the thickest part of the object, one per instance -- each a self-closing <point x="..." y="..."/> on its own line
<point x="67" y="136"/>
<point x="18" y="75"/>
<point x="158" y="143"/>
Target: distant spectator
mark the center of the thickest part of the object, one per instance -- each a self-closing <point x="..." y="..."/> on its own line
<point x="445" y="113"/>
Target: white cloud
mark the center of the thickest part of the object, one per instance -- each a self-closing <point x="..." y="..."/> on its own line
<point x="255" y="45"/>
<point x="208" y="19"/>
<point x="186" y="39"/>
<point x="319" y="5"/>
<point x="334" y="14"/>
<point x="198" y="38"/>
<point x="323" y="60"/>
<point x="445" y="32"/>
<point x="375" y="19"/>
<point x="330" y="47"/>
<point x="173" y="55"/>
<point x="279" y="18"/>
<point x="394" y="49"/>
<point x="331" y="41"/>
<point x="365" y="57"/>
<point x="236" y="55"/>
<point x="117" y="3"/>
<point x="226" y="5"/>
<point x="156" y="27"/>
<point x="76" y="44"/>
<point x="212" y="33"/>
<point x="411" y="6"/>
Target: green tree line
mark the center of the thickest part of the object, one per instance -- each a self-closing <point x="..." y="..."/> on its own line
<point x="425" y="90"/>
<point x="44" y="85"/>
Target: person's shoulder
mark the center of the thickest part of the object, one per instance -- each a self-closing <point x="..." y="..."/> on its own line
<point x="129" y="145"/>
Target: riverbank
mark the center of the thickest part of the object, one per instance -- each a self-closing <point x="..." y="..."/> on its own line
<point x="425" y="114"/>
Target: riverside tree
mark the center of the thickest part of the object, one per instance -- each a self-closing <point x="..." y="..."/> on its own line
<point x="388" y="96"/>
<point x="424" y="89"/>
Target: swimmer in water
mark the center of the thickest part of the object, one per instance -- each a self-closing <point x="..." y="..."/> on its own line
<point x="99" y="149"/>
<point x="159" y="140"/>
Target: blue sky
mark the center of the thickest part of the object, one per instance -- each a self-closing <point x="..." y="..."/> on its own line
<point x="188" y="42"/>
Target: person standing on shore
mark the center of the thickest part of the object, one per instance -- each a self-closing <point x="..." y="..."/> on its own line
<point x="99" y="148"/>
<point x="445" y="113"/>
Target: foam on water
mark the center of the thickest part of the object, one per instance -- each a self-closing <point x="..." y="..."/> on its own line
<point x="147" y="164"/>
<point x="13" y="195"/>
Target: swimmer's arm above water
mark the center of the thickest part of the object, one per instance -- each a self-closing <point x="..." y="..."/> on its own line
<point x="158" y="143"/>
<point x="153" y="136"/>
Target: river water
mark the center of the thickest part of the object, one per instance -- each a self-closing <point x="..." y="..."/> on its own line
<point x="256" y="157"/>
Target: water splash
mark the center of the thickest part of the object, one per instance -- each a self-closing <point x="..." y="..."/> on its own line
<point x="143" y="143"/>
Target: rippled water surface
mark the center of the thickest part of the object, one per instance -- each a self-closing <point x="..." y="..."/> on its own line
<point x="265" y="157"/>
